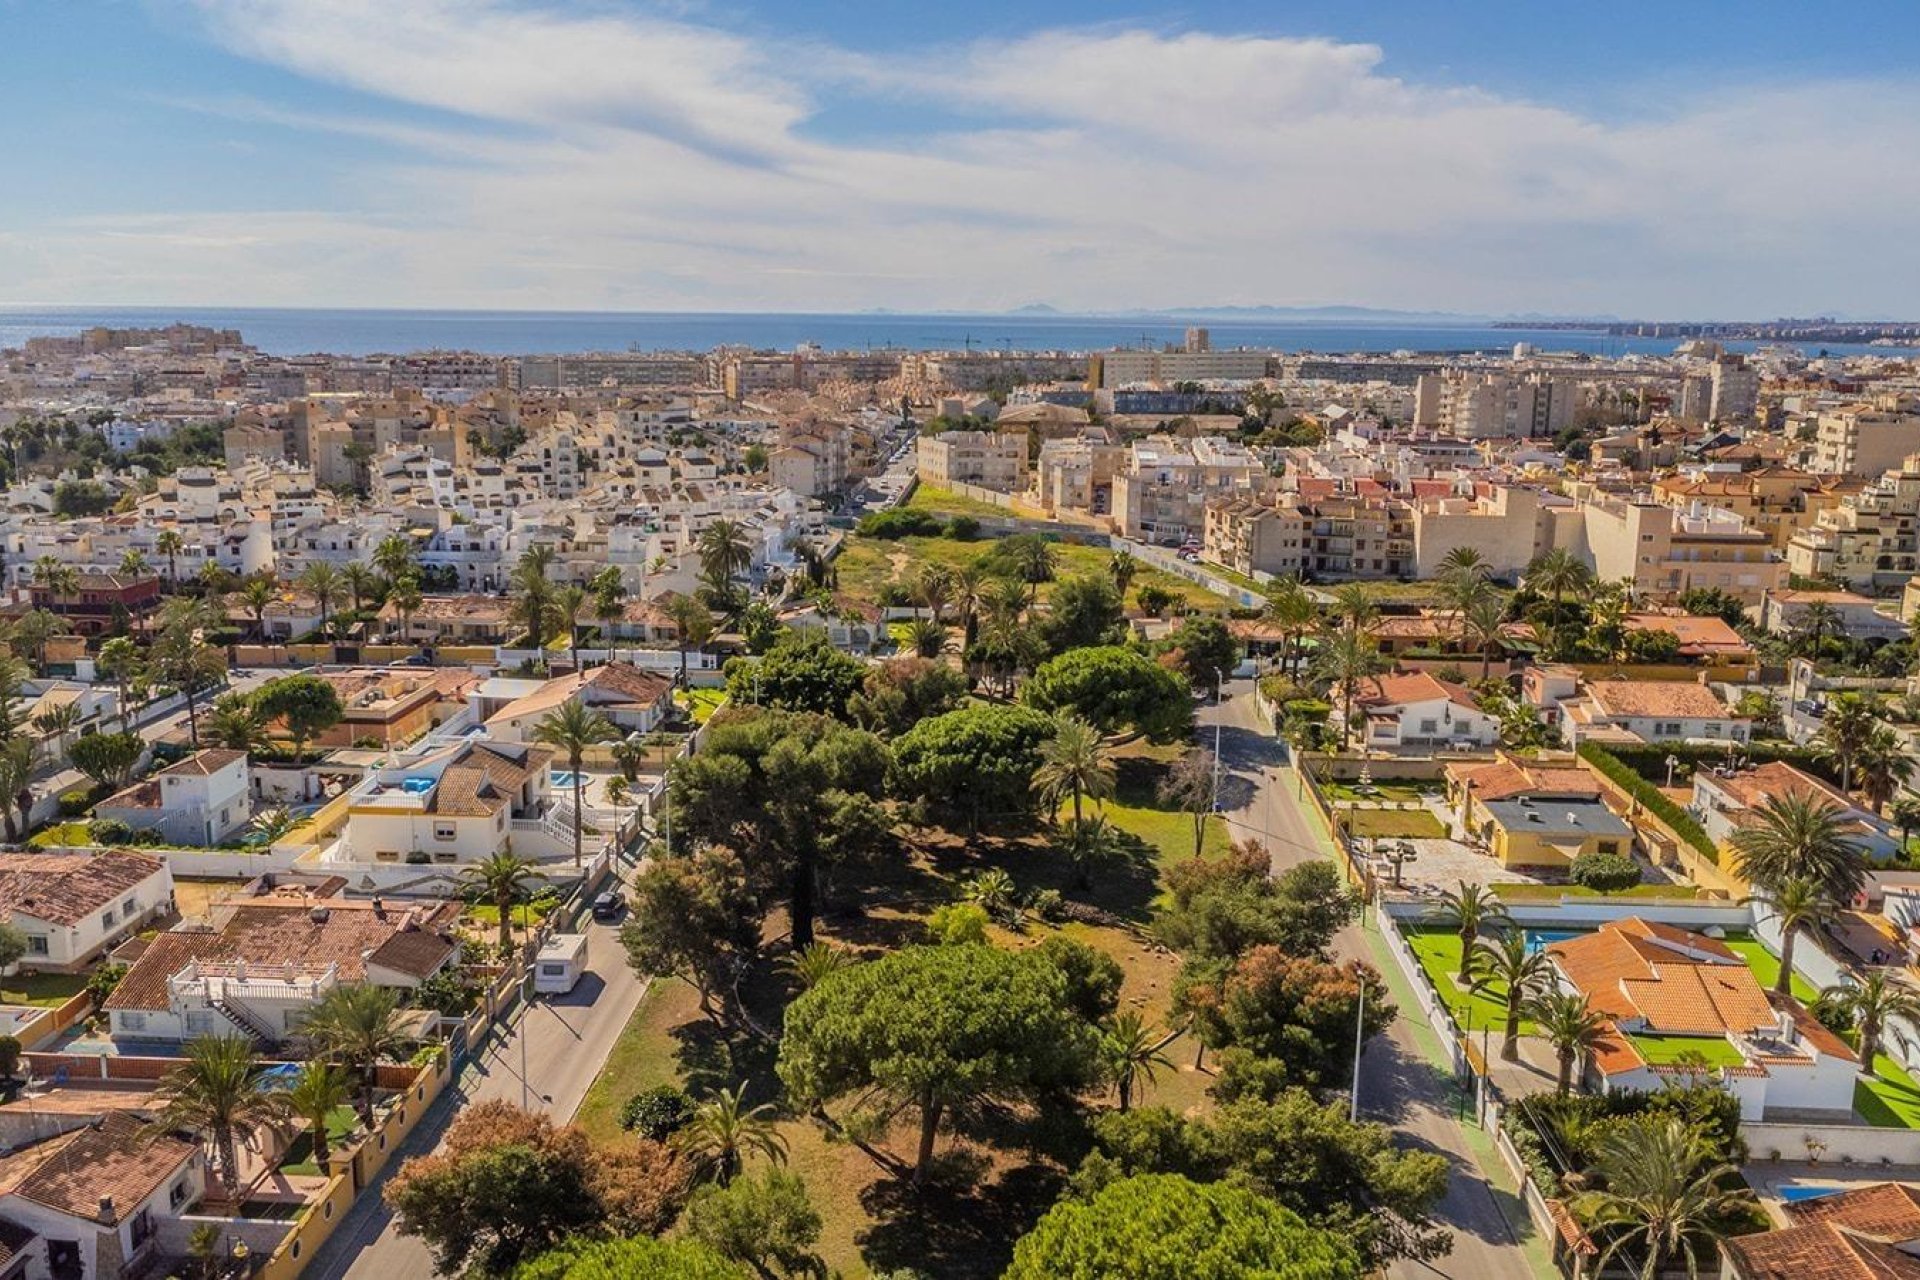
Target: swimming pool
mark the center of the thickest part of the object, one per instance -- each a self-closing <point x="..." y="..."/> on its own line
<point x="416" y="786"/>
<point x="1541" y="939"/>
<point x="565" y="777"/>
<point x="1795" y="1192"/>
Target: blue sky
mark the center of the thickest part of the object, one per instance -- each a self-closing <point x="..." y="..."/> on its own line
<point x="1637" y="158"/>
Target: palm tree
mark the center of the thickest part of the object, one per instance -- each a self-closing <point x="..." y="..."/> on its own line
<point x="1135" y="1053"/>
<point x="572" y="727"/>
<point x="322" y="581"/>
<point x="1557" y="573"/>
<point x="393" y="557"/>
<point x="1290" y="608"/>
<point x="932" y="590"/>
<point x="1883" y="763"/>
<point x="238" y="725"/>
<point x="1074" y="764"/>
<point x="1799" y="837"/>
<point x="60" y="580"/>
<point x="693" y="627"/>
<point x="1797" y="902"/>
<point x="119" y="662"/>
<point x="1354" y="606"/>
<point x="1510" y="971"/>
<point x="360" y="581"/>
<point x="927" y="638"/>
<point x="968" y="587"/>
<point x="1122" y="567"/>
<point x="568" y="602"/>
<point x="503" y="878"/>
<point x="1481" y="623"/>
<point x="993" y="890"/>
<point x="1463" y="562"/>
<point x="321" y="1089"/>
<point x="57" y="723"/>
<point x="358" y="1024"/>
<point x="1844" y="729"/>
<point x="32" y="632"/>
<point x="1662" y="1187"/>
<point x="1035" y="560"/>
<point x="133" y="562"/>
<point x="815" y="962"/>
<point x="170" y="544"/>
<point x="723" y="1132"/>
<point x="1345" y="659"/>
<point x="1816" y="622"/>
<point x="16" y="784"/>
<point x="533" y="594"/>
<point x="1472" y="908"/>
<point x="1873" y="1000"/>
<point x="725" y="551"/>
<point x="405" y="598"/>
<point x="1571" y="1026"/>
<point x="271" y="824"/>
<point x="216" y="1093"/>
<point x="257" y="593"/>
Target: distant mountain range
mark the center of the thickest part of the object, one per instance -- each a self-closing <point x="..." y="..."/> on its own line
<point x="1334" y="313"/>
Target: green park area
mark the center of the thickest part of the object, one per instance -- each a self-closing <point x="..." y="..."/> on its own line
<point x="867" y="565"/>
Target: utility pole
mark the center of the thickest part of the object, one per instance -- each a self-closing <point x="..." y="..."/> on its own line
<point x="1359" y="1039"/>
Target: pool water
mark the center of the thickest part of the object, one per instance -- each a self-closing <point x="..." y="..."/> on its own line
<point x="1540" y="939"/>
<point x="1796" y="1193"/>
<point x="564" y="777"/>
<point x="416" y="786"/>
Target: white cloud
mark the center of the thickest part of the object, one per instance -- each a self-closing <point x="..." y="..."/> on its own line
<point x="557" y="158"/>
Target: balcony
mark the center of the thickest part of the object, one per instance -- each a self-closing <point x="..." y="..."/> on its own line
<point x="212" y="982"/>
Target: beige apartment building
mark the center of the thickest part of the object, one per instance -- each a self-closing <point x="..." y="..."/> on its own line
<point x="1867" y="440"/>
<point x="811" y="463"/>
<point x="1128" y="368"/>
<point x="1470" y="405"/>
<point x="1868" y="540"/>
<point x="1077" y="474"/>
<point x="1248" y="536"/>
<point x="1161" y="494"/>
<point x="1511" y="527"/>
<point x="991" y="459"/>
<point x="1665" y="551"/>
<point x="1778" y="501"/>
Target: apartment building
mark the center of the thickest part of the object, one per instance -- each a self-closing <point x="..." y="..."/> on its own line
<point x="1353" y="537"/>
<point x="1511" y="526"/>
<point x="1076" y="474"/>
<point x="1249" y="536"/>
<point x="1124" y="368"/>
<point x="1161" y="494"/>
<point x="813" y="461"/>
<point x="991" y="459"/>
<point x="1735" y="390"/>
<point x="1472" y="405"/>
<point x="1866" y="440"/>
<point x="1664" y="551"/>
<point x="1778" y="501"/>
<point x="1870" y="538"/>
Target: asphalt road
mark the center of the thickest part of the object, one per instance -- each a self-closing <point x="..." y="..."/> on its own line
<point x="567" y="1039"/>
<point x="1398" y="1086"/>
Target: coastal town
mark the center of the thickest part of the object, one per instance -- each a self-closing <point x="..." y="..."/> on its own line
<point x="909" y="813"/>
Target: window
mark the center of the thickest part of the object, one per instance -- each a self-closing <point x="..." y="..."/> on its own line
<point x="177" y="1194"/>
<point x="444" y="831"/>
<point x="1609" y="846"/>
<point x="141" y="1227"/>
<point x="107" y="918"/>
<point x="553" y="971"/>
<point x="132" y="1020"/>
<point x="1428" y="726"/>
<point x="36" y="944"/>
<point x="130" y="906"/>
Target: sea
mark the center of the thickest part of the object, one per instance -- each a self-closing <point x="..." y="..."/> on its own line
<point x="303" y="331"/>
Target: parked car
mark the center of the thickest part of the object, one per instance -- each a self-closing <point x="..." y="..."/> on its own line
<point x="608" y="906"/>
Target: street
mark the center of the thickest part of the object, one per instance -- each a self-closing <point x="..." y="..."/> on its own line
<point x="567" y="1039"/>
<point x="1399" y="1087"/>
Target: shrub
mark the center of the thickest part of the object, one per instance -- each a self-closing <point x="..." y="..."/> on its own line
<point x="418" y="858"/>
<point x="902" y="522"/>
<point x="656" y="1113"/>
<point x="1605" y="872"/>
<point x="75" y="802"/>
<point x="9" y="1056"/>
<point x="963" y="528"/>
<point x="109" y="831"/>
<point x="958" y="924"/>
<point x="1049" y="905"/>
<point x="1655" y="800"/>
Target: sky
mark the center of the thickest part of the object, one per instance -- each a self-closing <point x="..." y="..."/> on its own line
<point x="1640" y="159"/>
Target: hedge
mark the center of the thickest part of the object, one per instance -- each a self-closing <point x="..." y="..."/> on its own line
<point x="1656" y="802"/>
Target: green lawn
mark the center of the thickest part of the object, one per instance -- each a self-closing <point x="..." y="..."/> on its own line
<point x="1766" y="967"/>
<point x="1407" y="824"/>
<point x="1554" y="892"/>
<point x="1716" y="1051"/>
<point x="341" y="1123"/>
<point x="865" y="565"/>
<point x="1169" y="832"/>
<point x="1889" y="1098"/>
<point x="945" y="502"/>
<point x="61" y="835"/>
<point x="48" y="990"/>
<point x="1404" y="791"/>
<point x="701" y="703"/>
<point x="487" y="914"/>
<point x="1438" y="951"/>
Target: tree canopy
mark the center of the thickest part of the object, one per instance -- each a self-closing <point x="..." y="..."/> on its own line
<point x="307" y="705"/>
<point x="801" y="672"/>
<point x="1114" y="688"/>
<point x="1082" y="611"/>
<point x="935" y="1027"/>
<point x="976" y="762"/>
<point x="635" y="1257"/>
<point x="1165" y="1227"/>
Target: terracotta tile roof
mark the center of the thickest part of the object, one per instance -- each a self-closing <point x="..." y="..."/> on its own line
<point x="1676" y="698"/>
<point x="115" y="1160"/>
<point x="66" y="888"/>
<point x="1633" y="969"/>
<point x="1750" y="788"/>
<point x="1699" y="635"/>
<point x="1849" y="1235"/>
<point x="202" y="764"/>
<point x="1401" y="688"/>
<point x="414" y="940"/>
<point x="1506" y="778"/>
